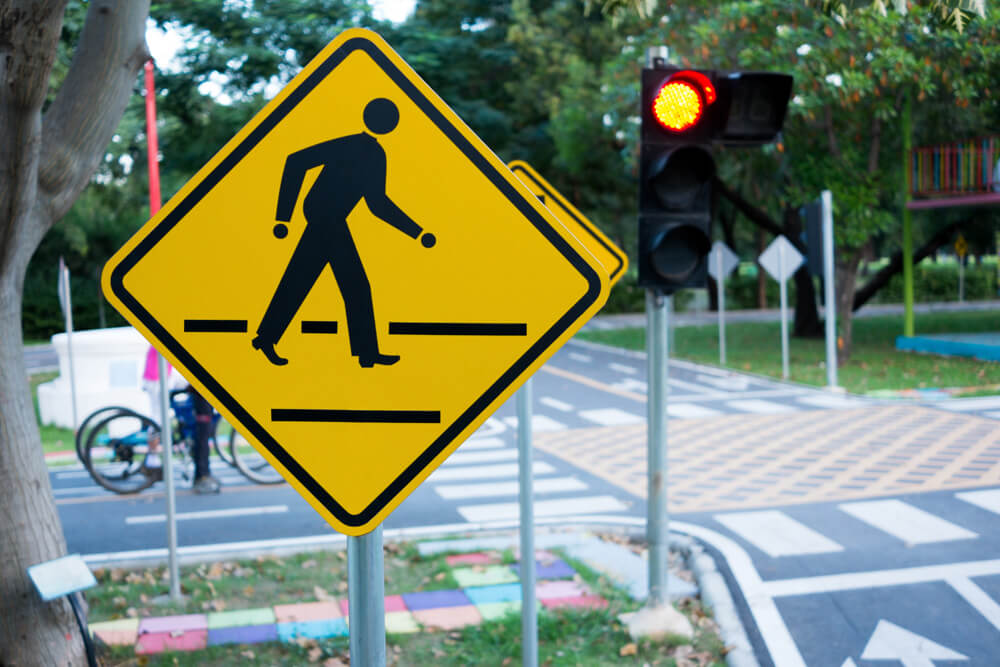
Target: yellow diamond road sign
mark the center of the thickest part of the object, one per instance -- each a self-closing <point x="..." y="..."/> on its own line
<point x="611" y="257"/>
<point x="356" y="281"/>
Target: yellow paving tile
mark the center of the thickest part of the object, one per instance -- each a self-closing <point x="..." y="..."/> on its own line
<point x="743" y="461"/>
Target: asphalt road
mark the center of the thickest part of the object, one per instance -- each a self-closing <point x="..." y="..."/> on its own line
<point x="853" y="580"/>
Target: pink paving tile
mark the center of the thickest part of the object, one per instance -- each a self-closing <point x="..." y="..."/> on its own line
<point x="579" y="602"/>
<point x="392" y="603"/>
<point x="472" y="559"/>
<point x="178" y="640"/>
<point x="174" y="623"/>
<point x="449" y="618"/>
<point x="116" y="637"/>
<point x="548" y="590"/>
<point x="306" y="611"/>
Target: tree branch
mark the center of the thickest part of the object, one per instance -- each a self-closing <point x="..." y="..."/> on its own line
<point x="830" y="134"/>
<point x="82" y="119"/>
<point x="754" y="214"/>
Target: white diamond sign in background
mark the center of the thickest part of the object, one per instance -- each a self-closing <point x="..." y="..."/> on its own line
<point x="721" y="260"/>
<point x="780" y="259"/>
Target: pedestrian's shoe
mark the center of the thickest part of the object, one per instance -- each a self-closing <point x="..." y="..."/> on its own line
<point x="268" y="350"/>
<point x="152" y="467"/>
<point x="206" y="485"/>
<point x="381" y="359"/>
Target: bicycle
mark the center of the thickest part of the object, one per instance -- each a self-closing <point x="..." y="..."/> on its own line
<point x="113" y="443"/>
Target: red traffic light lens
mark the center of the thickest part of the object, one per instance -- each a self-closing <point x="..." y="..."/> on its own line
<point x="678" y="105"/>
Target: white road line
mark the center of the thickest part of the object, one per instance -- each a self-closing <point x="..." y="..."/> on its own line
<point x="992" y="415"/>
<point x="563" y="506"/>
<point x="611" y="417"/>
<point x="209" y="514"/>
<point x="731" y="383"/>
<point x="760" y="407"/>
<point x="546" y="485"/>
<point x="555" y="404"/>
<point x="460" y="457"/>
<point x="622" y="368"/>
<point x="631" y="384"/>
<point x="906" y="522"/>
<point x="583" y="358"/>
<point x="832" y="401"/>
<point x="539" y="424"/>
<point x="72" y="474"/>
<point x="699" y="388"/>
<point x="988" y="499"/>
<point x="690" y="411"/>
<point x="764" y="393"/>
<point x="880" y="578"/>
<point x="499" y="471"/>
<point x="978" y="598"/>
<point x="965" y="404"/>
<point x="777" y="534"/>
<point x="80" y="490"/>
<point x="482" y="443"/>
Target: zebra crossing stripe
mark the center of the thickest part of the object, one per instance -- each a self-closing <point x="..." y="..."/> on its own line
<point x="906" y="522"/>
<point x="560" y="507"/>
<point x="555" y="404"/>
<point x="487" y="456"/>
<point x="487" y="490"/>
<point x="499" y="471"/>
<point x="690" y="411"/>
<point x="611" y="417"/>
<point x="760" y="407"/>
<point x="966" y="404"/>
<point x="777" y="534"/>
<point x="482" y="443"/>
<point x="988" y="500"/>
<point x="821" y="401"/>
<point x="539" y="424"/>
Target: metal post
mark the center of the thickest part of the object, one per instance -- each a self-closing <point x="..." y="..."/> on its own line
<point x="720" y="294"/>
<point x="529" y="608"/>
<point x="908" y="324"/>
<point x="657" y="522"/>
<point x="670" y="325"/>
<point x="81" y="622"/>
<point x="68" y="300"/>
<point x="167" y="461"/>
<point x="961" y="278"/>
<point x="784" y="313"/>
<point x="828" y="288"/>
<point x="366" y="599"/>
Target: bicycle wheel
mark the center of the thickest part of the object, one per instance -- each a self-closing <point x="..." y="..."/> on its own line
<point x="92" y="419"/>
<point x="249" y="462"/>
<point x="116" y="449"/>
<point x="224" y="452"/>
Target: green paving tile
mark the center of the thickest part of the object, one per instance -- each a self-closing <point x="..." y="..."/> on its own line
<point x="229" y="619"/>
<point x="494" y="610"/>
<point x="117" y="624"/>
<point x="400" y="623"/>
<point x="484" y="576"/>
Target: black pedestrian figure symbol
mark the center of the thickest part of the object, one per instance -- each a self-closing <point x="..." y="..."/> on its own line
<point x="354" y="168"/>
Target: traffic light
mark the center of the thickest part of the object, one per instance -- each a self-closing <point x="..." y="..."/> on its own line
<point x="683" y="113"/>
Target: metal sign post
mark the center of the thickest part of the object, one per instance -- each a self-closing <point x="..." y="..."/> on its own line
<point x="529" y="608"/>
<point x="781" y="260"/>
<point x="722" y="261"/>
<point x="167" y="458"/>
<point x="784" y="315"/>
<point x="366" y="598"/>
<point x="828" y="288"/>
<point x="657" y="523"/>
<point x="66" y="301"/>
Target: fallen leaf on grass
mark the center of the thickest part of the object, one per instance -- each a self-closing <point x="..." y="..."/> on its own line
<point x="342" y="586"/>
<point x="440" y="576"/>
<point x="249" y="655"/>
<point x="143" y="598"/>
<point x="322" y="595"/>
<point x="334" y="662"/>
<point x="506" y="661"/>
<point x="131" y="612"/>
<point x="628" y="649"/>
<point x="315" y="654"/>
<point x="119" y="601"/>
<point x="308" y="564"/>
<point x="248" y="591"/>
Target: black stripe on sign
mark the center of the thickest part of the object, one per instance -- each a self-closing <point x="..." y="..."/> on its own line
<point x="458" y="329"/>
<point x="319" y="327"/>
<point x="215" y="326"/>
<point x="359" y="416"/>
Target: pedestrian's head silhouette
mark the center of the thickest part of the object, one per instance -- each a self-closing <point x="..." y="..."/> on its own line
<point x="381" y="116"/>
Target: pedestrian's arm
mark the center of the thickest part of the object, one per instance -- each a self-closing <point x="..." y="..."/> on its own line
<point x="296" y="167"/>
<point x="386" y="209"/>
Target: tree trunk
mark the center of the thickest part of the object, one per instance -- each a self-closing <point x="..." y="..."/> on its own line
<point x="806" y="324"/>
<point x="761" y="274"/>
<point x="45" y="162"/>
<point x="847" y="281"/>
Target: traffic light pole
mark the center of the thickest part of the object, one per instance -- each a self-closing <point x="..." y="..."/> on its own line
<point x="657" y="521"/>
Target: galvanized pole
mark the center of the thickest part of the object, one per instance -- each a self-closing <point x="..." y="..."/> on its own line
<point x="657" y="522"/>
<point x="529" y="608"/>
<point x="366" y="599"/>
<point x="167" y="463"/>
<point x="68" y="301"/>
<point x="784" y="312"/>
<point x="828" y="288"/>
<point x="720" y="293"/>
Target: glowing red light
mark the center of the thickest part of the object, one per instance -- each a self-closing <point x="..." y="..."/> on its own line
<point x="678" y="106"/>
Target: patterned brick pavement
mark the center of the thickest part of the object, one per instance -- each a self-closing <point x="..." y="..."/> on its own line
<point x="745" y="461"/>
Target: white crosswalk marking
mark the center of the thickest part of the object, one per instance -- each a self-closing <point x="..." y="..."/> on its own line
<point x="560" y="507"/>
<point x="583" y="358"/>
<point x="622" y="368"/>
<point x="486" y="490"/>
<point x="733" y="383"/>
<point x="992" y="415"/>
<point x="988" y="499"/>
<point x="498" y="471"/>
<point x="832" y="401"/>
<point x="486" y="456"/>
<point x="906" y="522"/>
<point x="611" y="417"/>
<point x="690" y="411"/>
<point x="539" y="424"/>
<point x="555" y="404"/>
<point x="208" y="514"/>
<point x="777" y="534"/>
<point x="967" y="404"/>
<point x="631" y="384"/>
<point x="482" y="443"/>
<point x="760" y="407"/>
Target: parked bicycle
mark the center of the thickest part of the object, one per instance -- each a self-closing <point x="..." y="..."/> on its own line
<point x="113" y="443"/>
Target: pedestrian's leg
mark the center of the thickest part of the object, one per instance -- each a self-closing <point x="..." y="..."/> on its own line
<point x="357" y="294"/>
<point x="203" y="480"/>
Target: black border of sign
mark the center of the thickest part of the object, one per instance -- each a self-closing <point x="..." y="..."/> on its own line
<point x="518" y="170"/>
<point x="478" y="159"/>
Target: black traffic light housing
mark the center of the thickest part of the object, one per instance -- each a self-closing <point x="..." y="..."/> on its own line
<point x="683" y="113"/>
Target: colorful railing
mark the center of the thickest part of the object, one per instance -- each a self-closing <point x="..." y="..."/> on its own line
<point x="964" y="167"/>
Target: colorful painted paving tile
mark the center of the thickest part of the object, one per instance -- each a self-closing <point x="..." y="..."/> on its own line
<point x="319" y="629"/>
<point x="579" y="601"/>
<point x="499" y="593"/>
<point x="392" y="603"/>
<point x="120" y="632"/>
<point x="435" y="599"/>
<point x="306" y="611"/>
<point x="448" y="618"/>
<point x="484" y="576"/>
<point x="472" y="559"/>
<point x="176" y="640"/>
<point x="557" y="569"/>
<point x="243" y="634"/>
<point x="400" y="623"/>
<point x="229" y="619"/>
<point x="547" y="590"/>
<point x="491" y="611"/>
<point x="173" y="623"/>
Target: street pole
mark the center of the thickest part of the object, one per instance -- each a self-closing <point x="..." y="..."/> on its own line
<point x="783" y="290"/>
<point x="366" y="599"/>
<point x="657" y="523"/>
<point x="529" y="608"/>
<point x="908" y="323"/>
<point x="826" y="197"/>
<point x="167" y="461"/>
<point x="720" y="301"/>
<point x="68" y="313"/>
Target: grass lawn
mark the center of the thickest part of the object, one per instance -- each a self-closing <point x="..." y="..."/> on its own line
<point x="875" y="362"/>
<point x="566" y="637"/>
<point x="54" y="438"/>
